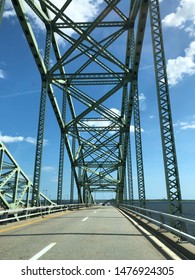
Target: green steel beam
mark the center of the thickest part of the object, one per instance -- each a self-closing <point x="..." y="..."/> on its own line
<point x="136" y="61"/>
<point x="88" y="24"/>
<point x="62" y="152"/>
<point x="62" y="10"/>
<point x="137" y="129"/>
<point x="138" y="144"/>
<point x="129" y="174"/>
<point x="39" y="12"/>
<point x="15" y="187"/>
<point x="41" y="127"/>
<point x="62" y="142"/>
<point x="30" y="37"/>
<point x="2" y="4"/>
<point x="72" y="169"/>
<point x="166" y="124"/>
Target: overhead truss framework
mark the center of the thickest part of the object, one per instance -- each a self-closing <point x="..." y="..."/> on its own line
<point x="95" y="66"/>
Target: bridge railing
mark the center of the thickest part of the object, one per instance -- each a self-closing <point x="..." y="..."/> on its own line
<point x="163" y="220"/>
<point x="24" y="213"/>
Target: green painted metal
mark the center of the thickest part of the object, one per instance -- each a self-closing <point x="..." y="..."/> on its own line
<point x="166" y="124"/>
<point x="72" y="171"/>
<point x="41" y="124"/>
<point x="2" y="4"/>
<point x="137" y="127"/>
<point x="62" y="151"/>
<point x="129" y="174"/>
<point x="101" y="135"/>
<point x="100" y="151"/>
<point x="138" y="143"/>
<point x="16" y="189"/>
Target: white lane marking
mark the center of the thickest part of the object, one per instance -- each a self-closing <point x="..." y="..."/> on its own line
<point x="42" y="252"/>
<point x="95" y="211"/>
<point x="85" y="219"/>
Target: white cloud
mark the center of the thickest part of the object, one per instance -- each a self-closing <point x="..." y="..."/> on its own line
<point x="183" y="18"/>
<point x="142" y="97"/>
<point x="8" y="139"/>
<point x="2" y="74"/>
<point x="9" y="13"/>
<point x="184" y="125"/>
<point x="188" y="126"/>
<point x="48" y="169"/>
<point x="132" y="128"/>
<point x="185" y="13"/>
<point x="116" y="111"/>
<point x="31" y="140"/>
<point x="182" y="65"/>
<point x="82" y="10"/>
<point x="142" y="102"/>
<point x="11" y="139"/>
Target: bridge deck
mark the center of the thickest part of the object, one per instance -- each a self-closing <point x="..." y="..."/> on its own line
<point x="94" y="233"/>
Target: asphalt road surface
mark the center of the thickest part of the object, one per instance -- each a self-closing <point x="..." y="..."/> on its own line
<point x="97" y="233"/>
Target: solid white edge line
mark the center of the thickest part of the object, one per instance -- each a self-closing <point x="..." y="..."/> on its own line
<point x="155" y="239"/>
<point x="42" y="252"/>
<point x="85" y="219"/>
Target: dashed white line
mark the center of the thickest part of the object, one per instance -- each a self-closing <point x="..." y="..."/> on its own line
<point x="85" y="219"/>
<point x="42" y="252"/>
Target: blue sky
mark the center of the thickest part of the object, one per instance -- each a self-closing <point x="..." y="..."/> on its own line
<point x="20" y="93"/>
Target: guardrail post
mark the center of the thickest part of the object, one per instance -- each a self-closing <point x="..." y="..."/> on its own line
<point x="5" y="216"/>
<point x="162" y="220"/>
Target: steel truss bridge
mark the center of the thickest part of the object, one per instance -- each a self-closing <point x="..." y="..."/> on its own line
<point x="96" y="137"/>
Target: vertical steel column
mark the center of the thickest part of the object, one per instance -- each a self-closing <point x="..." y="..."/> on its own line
<point x="41" y="125"/>
<point x="129" y="173"/>
<point x="2" y="4"/>
<point x="15" y="190"/>
<point x="80" y="176"/>
<point x="62" y="149"/>
<point x="120" y="193"/>
<point x="125" y="187"/>
<point x="138" y="144"/>
<point x="72" y="169"/>
<point x="85" y="186"/>
<point x="1" y="158"/>
<point x="167" y="133"/>
<point x="137" y="127"/>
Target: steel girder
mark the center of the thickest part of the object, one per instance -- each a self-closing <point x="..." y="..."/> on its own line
<point x="16" y="189"/>
<point x="166" y="124"/>
<point x="2" y="4"/>
<point x="62" y="151"/>
<point x="137" y="128"/>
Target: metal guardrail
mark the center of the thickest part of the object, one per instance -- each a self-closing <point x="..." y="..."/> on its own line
<point x="24" y="213"/>
<point x="161" y="221"/>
